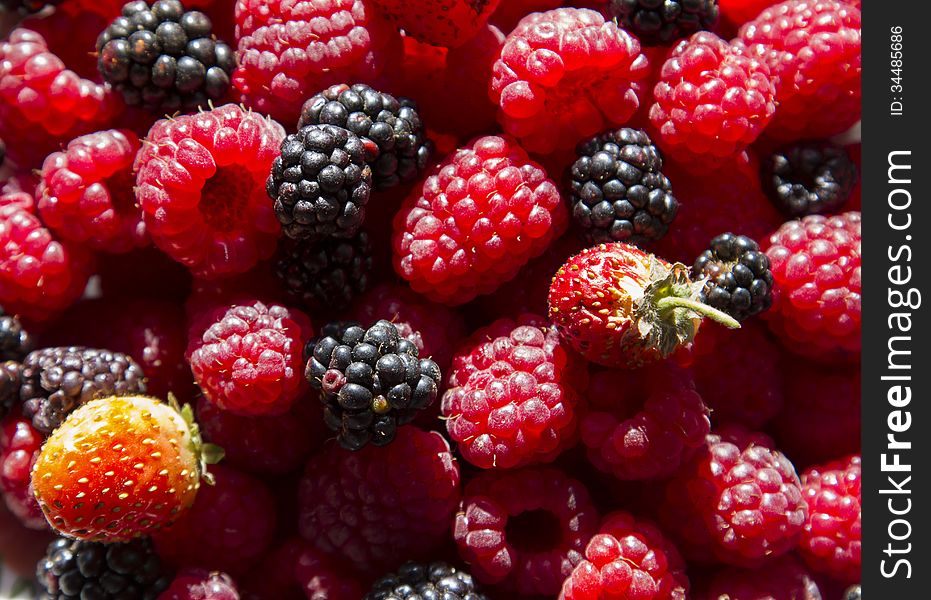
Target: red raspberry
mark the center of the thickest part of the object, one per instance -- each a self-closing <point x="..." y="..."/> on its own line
<point x="513" y="394"/>
<point x="200" y="584"/>
<point x="524" y="529"/>
<point x="209" y="294"/>
<point x="510" y="12"/>
<point x="71" y="34"/>
<point x="295" y="571"/>
<point x="448" y="23"/>
<point x="376" y="507"/>
<point x="322" y="579"/>
<point x="738" y="12"/>
<point x="831" y="541"/>
<point x="564" y="75"/>
<point x="86" y="192"/>
<point x="735" y="104"/>
<point x="43" y="103"/>
<point x="812" y="48"/>
<point x="738" y="501"/>
<point x="781" y="579"/>
<point x="20" y="443"/>
<point x="643" y="427"/>
<point x="816" y="298"/>
<point x="629" y="559"/>
<point x="483" y="214"/>
<point x="249" y="361"/>
<point x="290" y="50"/>
<point x="201" y="184"/>
<point x="274" y="576"/>
<point x="231" y="525"/>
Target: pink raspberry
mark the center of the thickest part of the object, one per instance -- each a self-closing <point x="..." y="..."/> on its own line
<point x="290" y="50"/>
<point x="200" y="584"/>
<point x="781" y="579"/>
<point x="525" y="530"/>
<point x="565" y="75"/>
<point x="513" y="394"/>
<point x="249" y="360"/>
<point x="200" y="180"/>
<point x="71" y="34"/>
<point x="643" y="427"/>
<point x="482" y="214"/>
<point x="20" y="443"/>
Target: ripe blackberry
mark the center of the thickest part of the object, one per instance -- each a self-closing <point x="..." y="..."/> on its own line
<point x="321" y="182"/>
<point x="661" y="22"/>
<point x="853" y="593"/>
<point x="809" y="178"/>
<point x="10" y="382"/>
<point x="58" y="380"/>
<point x="75" y="568"/>
<point x="739" y="281"/>
<point x="15" y="342"/>
<point x="434" y="580"/>
<point x="325" y="274"/>
<point x="401" y="148"/>
<point x="618" y="191"/>
<point x="371" y="381"/>
<point x="164" y="58"/>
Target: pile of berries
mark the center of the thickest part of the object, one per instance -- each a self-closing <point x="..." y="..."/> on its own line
<point x="273" y="327"/>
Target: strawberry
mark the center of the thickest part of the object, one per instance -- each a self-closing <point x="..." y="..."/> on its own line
<point x="448" y="23"/>
<point x="120" y="468"/>
<point x="619" y="306"/>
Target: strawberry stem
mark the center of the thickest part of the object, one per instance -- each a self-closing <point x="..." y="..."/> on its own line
<point x="672" y="302"/>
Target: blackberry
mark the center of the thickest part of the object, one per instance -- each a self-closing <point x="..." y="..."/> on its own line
<point x="739" y="280"/>
<point x="81" y="569"/>
<point x="390" y="128"/>
<point x="325" y="274"/>
<point x="371" y="381"/>
<point x="15" y="342"/>
<point x="853" y="593"/>
<point x="10" y="382"/>
<point x="809" y="178"/>
<point x="55" y="381"/>
<point x="617" y="190"/>
<point x="661" y="22"/>
<point x="164" y="58"/>
<point x="320" y="183"/>
<point x="418" y="581"/>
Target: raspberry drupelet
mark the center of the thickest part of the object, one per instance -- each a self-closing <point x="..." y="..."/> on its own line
<point x="447" y="23"/>
<point x="481" y="215"/>
<point x="20" y="443"/>
<point x="200" y="584"/>
<point x="784" y="578"/>
<point x="564" y="75"/>
<point x="200" y="180"/>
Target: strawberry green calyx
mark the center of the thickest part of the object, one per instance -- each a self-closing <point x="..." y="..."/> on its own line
<point x="206" y="453"/>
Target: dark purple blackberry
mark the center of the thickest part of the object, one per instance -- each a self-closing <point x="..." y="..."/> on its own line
<point x="55" y="381"/>
<point x="15" y="342"/>
<point x="390" y="127"/>
<point x="809" y="178"/>
<point x="163" y="58"/>
<point x="74" y="569"/>
<point x="618" y="192"/>
<point x="661" y="22"/>
<point x="436" y="580"/>
<point x="320" y="183"/>
<point x="10" y="382"/>
<point x="371" y="381"/>
<point x="739" y="281"/>
<point x="853" y="593"/>
<point x="325" y="274"/>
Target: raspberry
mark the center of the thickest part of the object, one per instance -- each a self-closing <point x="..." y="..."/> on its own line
<point x="290" y="50"/>
<point x="781" y="579"/>
<point x="524" y="530"/>
<point x="296" y="571"/>
<point x="657" y="23"/>
<point x="628" y="559"/>
<point x="738" y="104"/>
<point x="739" y="281"/>
<point x="86" y="192"/>
<point x="643" y="427"/>
<point x="512" y="394"/>
<point x="809" y="178"/>
<point x="323" y="579"/>
<point x="564" y="75"/>
<point x="200" y="584"/>
<point x="200" y="182"/>
<point x="439" y="22"/>
<point x="738" y="501"/>
<point x="71" y="34"/>
<point x="816" y="299"/>
<point x="738" y="12"/>
<point x="28" y="6"/>
<point x="248" y="361"/>
<point x="812" y="48"/>
<point x="42" y="102"/>
<point x="375" y="507"/>
<point x="20" y="443"/>
<point x="480" y="216"/>
<point x="230" y="525"/>
<point x="15" y="341"/>
<point x="510" y="12"/>
<point x="325" y="274"/>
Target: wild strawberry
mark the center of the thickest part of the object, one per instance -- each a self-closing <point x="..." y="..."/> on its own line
<point x="621" y="307"/>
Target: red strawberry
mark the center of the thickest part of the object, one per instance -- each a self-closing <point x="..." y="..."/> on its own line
<point x="439" y="22"/>
<point x="621" y="307"/>
<point x="120" y="468"/>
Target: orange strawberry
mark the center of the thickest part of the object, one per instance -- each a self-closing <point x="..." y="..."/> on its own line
<point x="120" y="468"/>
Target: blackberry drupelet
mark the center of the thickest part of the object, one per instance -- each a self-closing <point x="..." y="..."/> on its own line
<point x="618" y="191"/>
<point x="436" y="580"/>
<point x="321" y="183"/>
<point x="80" y="569"/>
<point x="164" y="58"/>
<point x="55" y="381"/>
<point x="325" y="274"/>
<point x="853" y="593"/>
<point x="15" y="342"/>
<point x="809" y="178"/>
<point x="661" y="22"/>
<point x="739" y="280"/>
<point x="390" y="127"/>
<point x="10" y="382"/>
<point x="371" y="380"/>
